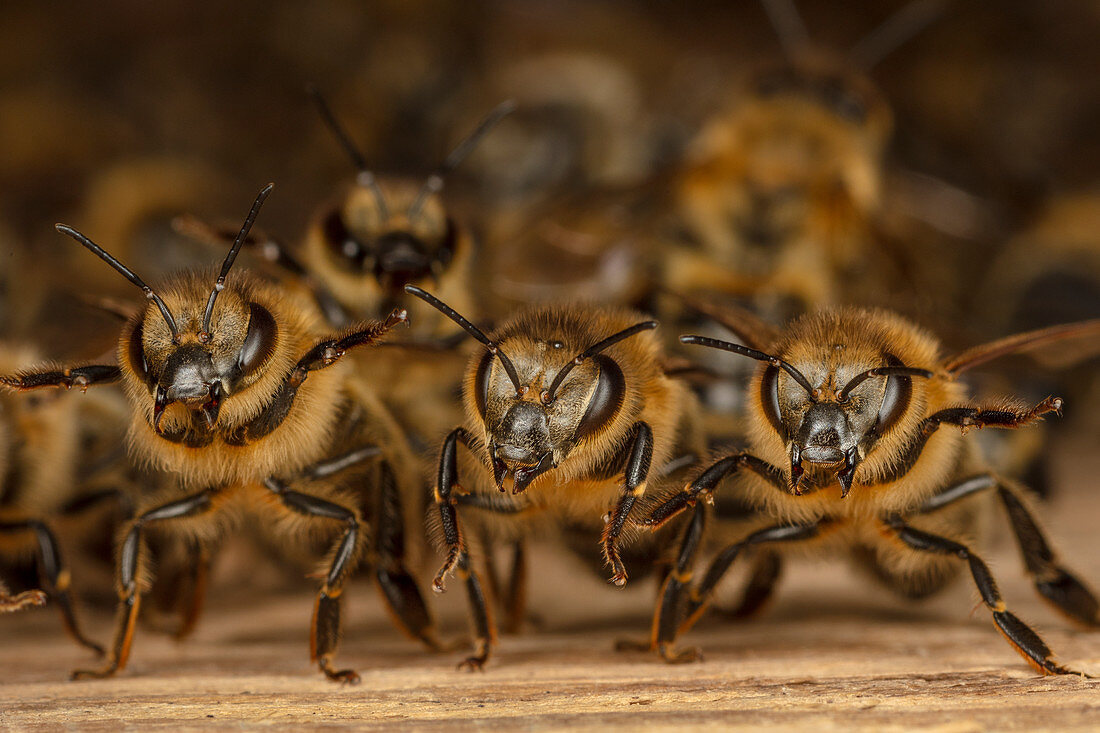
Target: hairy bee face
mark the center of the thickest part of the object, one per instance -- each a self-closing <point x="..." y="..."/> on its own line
<point x="527" y="434"/>
<point x="830" y="428"/>
<point x="385" y="247"/>
<point x="200" y="370"/>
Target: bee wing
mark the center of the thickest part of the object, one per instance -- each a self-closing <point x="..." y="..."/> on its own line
<point x="754" y="331"/>
<point x="1083" y="339"/>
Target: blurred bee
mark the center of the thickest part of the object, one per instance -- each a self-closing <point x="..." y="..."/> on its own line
<point x="54" y="466"/>
<point x="377" y="235"/>
<point x="848" y="457"/>
<point x="566" y="413"/>
<point x="238" y="394"/>
<point x="1050" y="274"/>
<point x="778" y="196"/>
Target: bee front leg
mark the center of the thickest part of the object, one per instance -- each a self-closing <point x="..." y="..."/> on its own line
<point x="79" y="377"/>
<point x="1021" y="636"/>
<point x="325" y="627"/>
<point x="634" y="486"/>
<point x="446" y="501"/>
<point x="130" y="560"/>
<point x="19" y="601"/>
<point x="706" y="482"/>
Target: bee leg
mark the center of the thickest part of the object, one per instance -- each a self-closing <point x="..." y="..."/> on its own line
<point x="129" y="561"/>
<point x="671" y="603"/>
<point x="484" y="628"/>
<point x="201" y="559"/>
<point x="1022" y="638"/>
<point x="56" y="578"/>
<point x="79" y="377"/>
<point x="1054" y="583"/>
<point x="515" y="600"/>
<point x="766" y="570"/>
<point x="708" y="480"/>
<point x="325" y="627"/>
<point x="966" y="418"/>
<point x="458" y="559"/>
<point x="701" y="596"/>
<point x="399" y="589"/>
<point x="634" y="485"/>
<point x="19" y="601"/>
<point x="329" y="351"/>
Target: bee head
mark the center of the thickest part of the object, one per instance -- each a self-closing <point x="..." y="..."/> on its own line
<point x="538" y="407"/>
<point x="190" y="347"/>
<point x="830" y="412"/>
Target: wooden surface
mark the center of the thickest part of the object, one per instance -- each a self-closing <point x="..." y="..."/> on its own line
<point x="834" y="652"/>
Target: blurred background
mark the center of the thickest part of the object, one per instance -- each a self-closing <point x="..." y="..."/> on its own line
<point x="116" y="117"/>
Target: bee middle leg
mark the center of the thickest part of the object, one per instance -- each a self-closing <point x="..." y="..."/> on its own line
<point x="700" y="597"/>
<point x="129" y="585"/>
<point x="325" y="626"/>
<point x="766" y="571"/>
<point x="55" y="576"/>
<point x="1052" y="580"/>
<point x="671" y="598"/>
<point x="515" y="595"/>
<point x="1021" y="636"/>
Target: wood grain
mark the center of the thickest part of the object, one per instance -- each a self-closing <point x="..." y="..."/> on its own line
<point x="833" y="653"/>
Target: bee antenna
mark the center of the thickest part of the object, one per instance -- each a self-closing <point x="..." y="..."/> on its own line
<point x="895" y="31"/>
<point x="365" y="177"/>
<point x="752" y="354"/>
<point x="434" y="184"/>
<point x="229" y="258"/>
<point x="887" y="371"/>
<point x="551" y="391"/>
<point x="471" y="329"/>
<point x="126" y="272"/>
<point x="789" y="26"/>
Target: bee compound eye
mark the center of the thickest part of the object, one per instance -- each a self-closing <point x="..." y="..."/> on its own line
<point x="769" y="397"/>
<point x="895" y="398"/>
<point x="481" y="382"/>
<point x="259" y="342"/>
<point x="136" y="349"/>
<point x="606" y="398"/>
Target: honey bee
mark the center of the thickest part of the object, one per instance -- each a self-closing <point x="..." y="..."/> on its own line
<point x="847" y="456"/>
<point x="54" y="469"/>
<point x="240" y="395"/>
<point x="567" y="411"/>
<point x="778" y="196"/>
<point x="376" y="235"/>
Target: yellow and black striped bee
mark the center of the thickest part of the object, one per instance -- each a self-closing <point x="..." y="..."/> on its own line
<point x="856" y="449"/>
<point x="569" y="417"/>
<point x="243" y="399"/>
